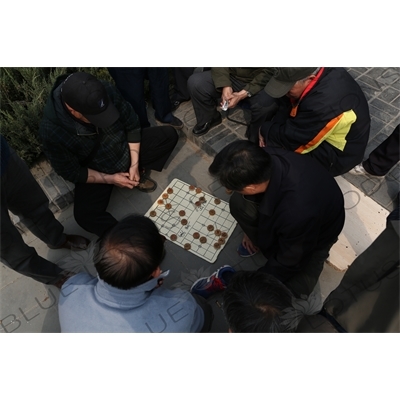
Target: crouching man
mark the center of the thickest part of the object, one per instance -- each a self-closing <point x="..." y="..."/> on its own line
<point x="288" y="207"/>
<point x="127" y="295"/>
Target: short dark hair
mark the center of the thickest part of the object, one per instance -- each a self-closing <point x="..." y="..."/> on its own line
<point x="128" y="254"/>
<point x="255" y="302"/>
<point x="241" y="163"/>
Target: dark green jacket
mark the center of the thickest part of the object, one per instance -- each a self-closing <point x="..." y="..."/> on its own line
<point x="254" y="78"/>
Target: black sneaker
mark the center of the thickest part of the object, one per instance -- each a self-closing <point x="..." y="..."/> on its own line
<point x="175" y="123"/>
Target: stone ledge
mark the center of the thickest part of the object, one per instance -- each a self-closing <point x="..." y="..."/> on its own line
<point x="59" y="191"/>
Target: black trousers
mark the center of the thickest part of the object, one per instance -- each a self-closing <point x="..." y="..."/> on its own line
<point x="22" y="195"/>
<point x="130" y="82"/>
<point x="181" y="76"/>
<point x="205" y="100"/>
<point x="368" y="297"/>
<point x="91" y="199"/>
<point x="382" y="159"/>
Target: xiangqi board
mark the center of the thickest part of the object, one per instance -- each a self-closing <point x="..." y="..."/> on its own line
<point x="193" y="219"/>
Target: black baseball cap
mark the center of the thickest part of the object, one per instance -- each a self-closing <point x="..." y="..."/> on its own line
<point x="284" y="79"/>
<point x="87" y="95"/>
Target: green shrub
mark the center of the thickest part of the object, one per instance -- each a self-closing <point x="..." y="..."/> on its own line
<point x="24" y="93"/>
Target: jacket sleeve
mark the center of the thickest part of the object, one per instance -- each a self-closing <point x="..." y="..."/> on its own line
<point x="64" y="161"/>
<point x="312" y="124"/>
<point x="296" y="240"/>
<point x="221" y="78"/>
<point x="259" y="81"/>
<point x="257" y="78"/>
<point x="128" y="118"/>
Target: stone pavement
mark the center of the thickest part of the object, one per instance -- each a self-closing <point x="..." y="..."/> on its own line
<point x="28" y="306"/>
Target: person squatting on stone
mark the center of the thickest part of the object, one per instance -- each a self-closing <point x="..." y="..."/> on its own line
<point x="366" y="300"/>
<point x="22" y="195"/>
<point x="288" y="206"/>
<point x="126" y="295"/>
<point x="242" y="86"/>
<point x="92" y="137"/>
<point x="322" y="113"/>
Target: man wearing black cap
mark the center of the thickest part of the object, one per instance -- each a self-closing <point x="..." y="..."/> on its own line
<point x="322" y="112"/>
<point x="93" y="138"/>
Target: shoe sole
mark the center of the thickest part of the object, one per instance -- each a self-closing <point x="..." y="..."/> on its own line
<point x="198" y="280"/>
<point x="194" y="284"/>
<point x="179" y="127"/>
<point x="245" y="255"/>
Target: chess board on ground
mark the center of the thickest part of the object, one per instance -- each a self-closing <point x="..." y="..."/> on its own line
<point x="193" y="219"/>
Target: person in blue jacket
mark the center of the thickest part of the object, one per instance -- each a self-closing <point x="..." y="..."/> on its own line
<point x="126" y="295"/>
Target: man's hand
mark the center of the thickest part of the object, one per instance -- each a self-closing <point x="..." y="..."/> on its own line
<point x="234" y="97"/>
<point x="122" y="180"/>
<point x="248" y="245"/>
<point x="226" y="95"/>
<point x="261" y="140"/>
<point x="134" y="174"/>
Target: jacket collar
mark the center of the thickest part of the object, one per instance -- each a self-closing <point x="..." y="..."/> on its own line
<point x="295" y="103"/>
<point x="126" y="299"/>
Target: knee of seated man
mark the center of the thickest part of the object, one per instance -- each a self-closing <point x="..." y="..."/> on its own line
<point x="195" y="82"/>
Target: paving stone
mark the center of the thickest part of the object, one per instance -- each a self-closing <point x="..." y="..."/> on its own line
<point x="396" y="84"/>
<point x="359" y="70"/>
<point x="389" y="76"/>
<point x="376" y="72"/>
<point x="217" y="136"/>
<point x="369" y="92"/>
<point x="387" y="191"/>
<point x="394" y="173"/>
<point x="371" y="82"/>
<point x="224" y="142"/>
<point x="396" y="102"/>
<point x="383" y="106"/>
<point x="18" y="298"/>
<point x="387" y="130"/>
<point x="7" y="276"/>
<point x="381" y="115"/>
<point x="48" y="187"/>
<point x="376" y="126"/>
<point x="381" y="137"/>
<point x="389" y="95"/>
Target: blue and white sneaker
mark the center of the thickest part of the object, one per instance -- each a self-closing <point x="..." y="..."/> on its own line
<point x="215" y="283"/>
<point x="243" y="252"/>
